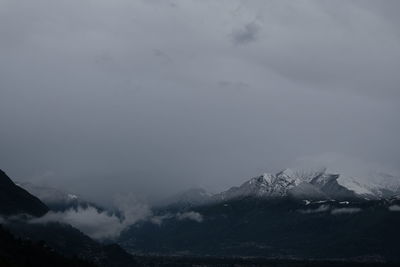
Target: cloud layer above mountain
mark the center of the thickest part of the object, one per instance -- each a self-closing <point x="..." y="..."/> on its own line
<point x="100" y="224"/>
<point x="104" y="97"/>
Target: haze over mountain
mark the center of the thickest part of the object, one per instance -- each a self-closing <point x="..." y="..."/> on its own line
<point x="154" y="97"/>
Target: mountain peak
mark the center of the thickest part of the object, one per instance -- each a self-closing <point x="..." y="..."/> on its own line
<point x="266" y="185"/>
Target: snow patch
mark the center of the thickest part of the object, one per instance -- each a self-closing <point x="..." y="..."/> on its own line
<point x="353" y="185"/>
<point x="71" y="196"/>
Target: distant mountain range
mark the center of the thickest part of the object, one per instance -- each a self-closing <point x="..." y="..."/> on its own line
<point x="298" y="184"/>
<point x="290" y="214"/>
<point x="315" y="185"/>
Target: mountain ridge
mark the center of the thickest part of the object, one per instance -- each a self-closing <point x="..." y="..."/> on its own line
<point x="299" y="184"/>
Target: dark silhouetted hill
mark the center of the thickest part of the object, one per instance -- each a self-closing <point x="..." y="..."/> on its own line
<point x="15" y="200"/>
<point x="23" y="253"/>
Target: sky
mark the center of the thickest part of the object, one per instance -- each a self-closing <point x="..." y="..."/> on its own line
<point x="153" y="97"/>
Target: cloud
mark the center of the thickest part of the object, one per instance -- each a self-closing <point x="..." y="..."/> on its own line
<point x="131" y="208"/>
<point x="107" y="225"/>
<point x="335" y="211"/>
<point x="335" y="162"/>
<point x="160" y="218"/>
<point x="98" y="225"/>
<point x="345" y="211"/>
<point x="247" y="34"/>
<point x="191" y="215"/>
<point x="156" y="99"/>
<point x="394" y="208"/>
<point x="322" y="208"/>
<point x="164" y="57"/>
<point x="101" y="224"/>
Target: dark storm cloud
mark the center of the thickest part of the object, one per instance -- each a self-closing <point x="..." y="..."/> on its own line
<point x="247" y="34"/>
<point x="151" y="97"/>
<point x="162" y="55"/>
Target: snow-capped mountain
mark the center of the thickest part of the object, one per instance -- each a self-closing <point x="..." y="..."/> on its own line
<point x="264" y="185"/>
<point x="311" y="184"/>
<point x="317" y="184"/>
<point x="377" y="184"/>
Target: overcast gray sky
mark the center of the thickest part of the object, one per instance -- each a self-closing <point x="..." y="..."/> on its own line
<point x="152" y="97"/>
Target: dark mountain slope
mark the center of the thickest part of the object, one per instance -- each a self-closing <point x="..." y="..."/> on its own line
<point x="275" y="228"/>
<point x="22" y="253"/>
<point x="72" y="243"/>
<point x="15" y="200"/>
